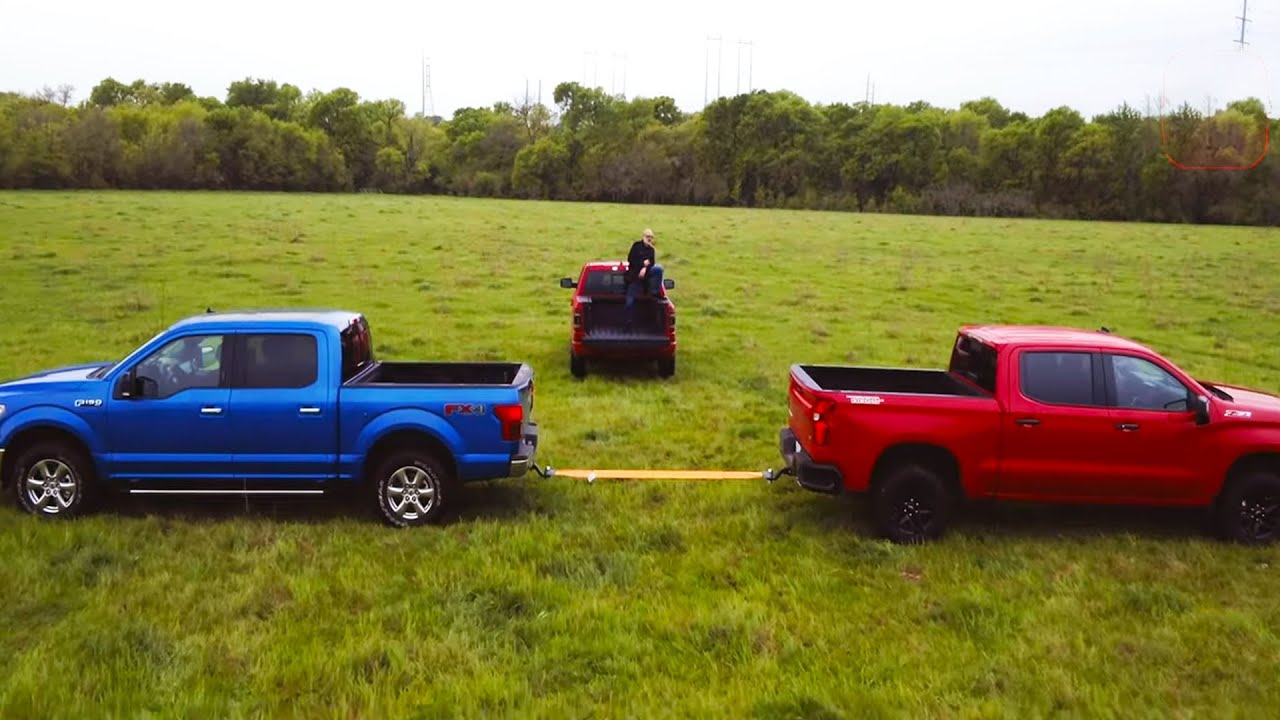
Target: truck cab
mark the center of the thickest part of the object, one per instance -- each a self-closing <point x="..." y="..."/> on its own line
<point x="599" y="330"/>
<point x="269" y="402"/>
<point x="1039" y="414"/>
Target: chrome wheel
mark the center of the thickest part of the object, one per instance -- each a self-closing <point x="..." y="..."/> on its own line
<point x="411" y="493"/>
<point x="51" y="487"/>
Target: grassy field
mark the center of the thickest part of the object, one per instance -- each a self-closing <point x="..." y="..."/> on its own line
<point x="553" y="598"/>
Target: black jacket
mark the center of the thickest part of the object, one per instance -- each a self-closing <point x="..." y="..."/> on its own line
<point x="635" y="259"/>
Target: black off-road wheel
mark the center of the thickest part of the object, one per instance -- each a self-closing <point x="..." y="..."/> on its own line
<point x="54" y="480"/>
<point x="1249" y="511"/>
<point x="577" y="365"/>
<point x="911" y="504"/>
<point x="411" y="488"/>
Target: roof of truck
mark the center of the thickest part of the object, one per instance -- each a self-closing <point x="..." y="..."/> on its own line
<point x="1002" y="335"/>
<point x="338" y="319"/>
<point x="606" y="265"/>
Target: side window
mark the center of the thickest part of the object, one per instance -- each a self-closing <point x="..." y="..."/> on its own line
<point x="194" y="361"/>
<point x="1142" y="385"/>
<point x="1058" y="378"/>
<point x="279" y="361"/>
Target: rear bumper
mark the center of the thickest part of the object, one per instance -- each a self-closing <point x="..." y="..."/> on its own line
<point x="825" y="479"/>
<point x="525" y="456"/>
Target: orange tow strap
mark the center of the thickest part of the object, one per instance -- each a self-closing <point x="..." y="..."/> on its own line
<point x="592" y="475"/>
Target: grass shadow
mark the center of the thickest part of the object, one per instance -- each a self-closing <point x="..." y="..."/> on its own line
<point x="989" y="520"/>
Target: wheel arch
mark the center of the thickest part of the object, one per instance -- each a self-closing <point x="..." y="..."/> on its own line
<point x="934" y="457"/>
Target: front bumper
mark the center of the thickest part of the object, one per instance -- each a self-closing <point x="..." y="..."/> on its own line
<point x="525" y="456"/>
<point x="809" y="475"/>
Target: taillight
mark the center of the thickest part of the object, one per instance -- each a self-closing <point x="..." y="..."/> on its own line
<point x="821" y="427"/>
<point x="511" y="417"/>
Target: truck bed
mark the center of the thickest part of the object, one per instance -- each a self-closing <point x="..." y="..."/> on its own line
<point x="604" y="320"/>
<point x="887" y="380"/>
<point x="424" y="373"/>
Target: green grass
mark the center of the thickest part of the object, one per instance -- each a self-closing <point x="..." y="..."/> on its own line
<point x="554" y="598"/>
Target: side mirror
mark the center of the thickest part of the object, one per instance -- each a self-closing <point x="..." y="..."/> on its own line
<point x="568" y="283"/>
<point x="668" y="283"/>
<point x="1200" y="404"/>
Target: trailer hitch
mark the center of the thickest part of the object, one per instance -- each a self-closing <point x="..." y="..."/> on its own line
<point x="548" y="472"/>
<point x="773" y="476"/>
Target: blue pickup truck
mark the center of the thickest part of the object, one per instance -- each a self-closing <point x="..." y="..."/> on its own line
<point x="267" y="402"/>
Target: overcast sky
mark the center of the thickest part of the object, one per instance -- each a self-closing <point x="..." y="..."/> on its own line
<point x="1031" y="55"/>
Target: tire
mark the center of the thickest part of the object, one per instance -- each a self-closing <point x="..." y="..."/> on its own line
<point x="577" y="365"/>
<point x="1249" y="511"/>
<point x="411" y="488"/>
<point x="667" y="366"/>
<point x="911" y="505"/>
<point x="54" y="480"/>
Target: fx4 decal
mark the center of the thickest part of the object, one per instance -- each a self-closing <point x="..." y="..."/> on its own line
<point x="463" y="409"/>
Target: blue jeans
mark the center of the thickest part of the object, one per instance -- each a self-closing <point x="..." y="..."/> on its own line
<point x="652" y="282"/>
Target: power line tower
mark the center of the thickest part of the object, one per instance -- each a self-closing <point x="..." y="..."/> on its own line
<point x="737" y="89"/>
<point x="428" y="102"/>
<point x="707" y="71"/>
<point x="1243" y="17"/>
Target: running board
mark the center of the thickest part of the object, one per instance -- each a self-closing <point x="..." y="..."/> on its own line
<point x="226" y="492"/>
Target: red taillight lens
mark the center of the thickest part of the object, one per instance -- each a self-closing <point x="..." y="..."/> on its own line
<point x="511" y="417"/>
<point x="822" y="428"/>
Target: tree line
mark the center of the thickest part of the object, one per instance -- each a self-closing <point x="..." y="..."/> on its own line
<point x="760" y="149"/>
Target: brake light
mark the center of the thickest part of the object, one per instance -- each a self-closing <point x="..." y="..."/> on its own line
<point x="511" y="417"/>
<point x="821" y="427"/>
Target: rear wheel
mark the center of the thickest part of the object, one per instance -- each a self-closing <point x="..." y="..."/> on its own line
<point x="411" y="488"/>
<point x="1249" y="511"/>
<point x="911" y="504"/>
<point x="53" y="480"/>
<point x="667" y="366"/>
<point x="577" y="365"/>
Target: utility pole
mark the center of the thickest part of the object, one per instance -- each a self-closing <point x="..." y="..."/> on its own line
<point x="1243" y="17"/>
<point x="738" y="85"/>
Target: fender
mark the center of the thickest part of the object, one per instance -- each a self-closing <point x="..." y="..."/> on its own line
<point x="52" y="416"/>
<point x="409" y="419"/>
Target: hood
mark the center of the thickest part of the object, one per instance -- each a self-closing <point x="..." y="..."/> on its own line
<point x="61" y="375"/>
<point x="1259" y="404"/>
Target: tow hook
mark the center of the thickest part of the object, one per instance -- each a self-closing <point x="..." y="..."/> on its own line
<point x="548" y="472"/>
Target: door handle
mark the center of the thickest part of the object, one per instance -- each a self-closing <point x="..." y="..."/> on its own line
<point x="1127" y="427"/>
<point x="309" y="410"/>
<point x="1027" y="422"/>
<point x="210" y="411"/>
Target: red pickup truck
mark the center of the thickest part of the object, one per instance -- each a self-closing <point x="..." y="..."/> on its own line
<point x="600" y="330"/>
<point x="1040" y="414"/>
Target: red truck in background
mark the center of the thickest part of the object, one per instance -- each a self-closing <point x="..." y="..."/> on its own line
<point x="599" y="329"/>
<point x="1039" y="414"/>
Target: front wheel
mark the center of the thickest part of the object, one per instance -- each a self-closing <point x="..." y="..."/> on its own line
<point x="412" y="486"/>
<point x="911" y="505"/>
<point x="1249" y="512"/>
<point x="53" y="480"/>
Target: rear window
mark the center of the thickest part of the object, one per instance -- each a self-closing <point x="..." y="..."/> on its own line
<point x="975" y="361"/>
<point x="605" y="282"/>
<point x="357" y="348"/>
<point x="279" y="360"/>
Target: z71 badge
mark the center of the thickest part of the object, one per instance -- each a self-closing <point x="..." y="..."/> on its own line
<point x="463" y="409"/>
